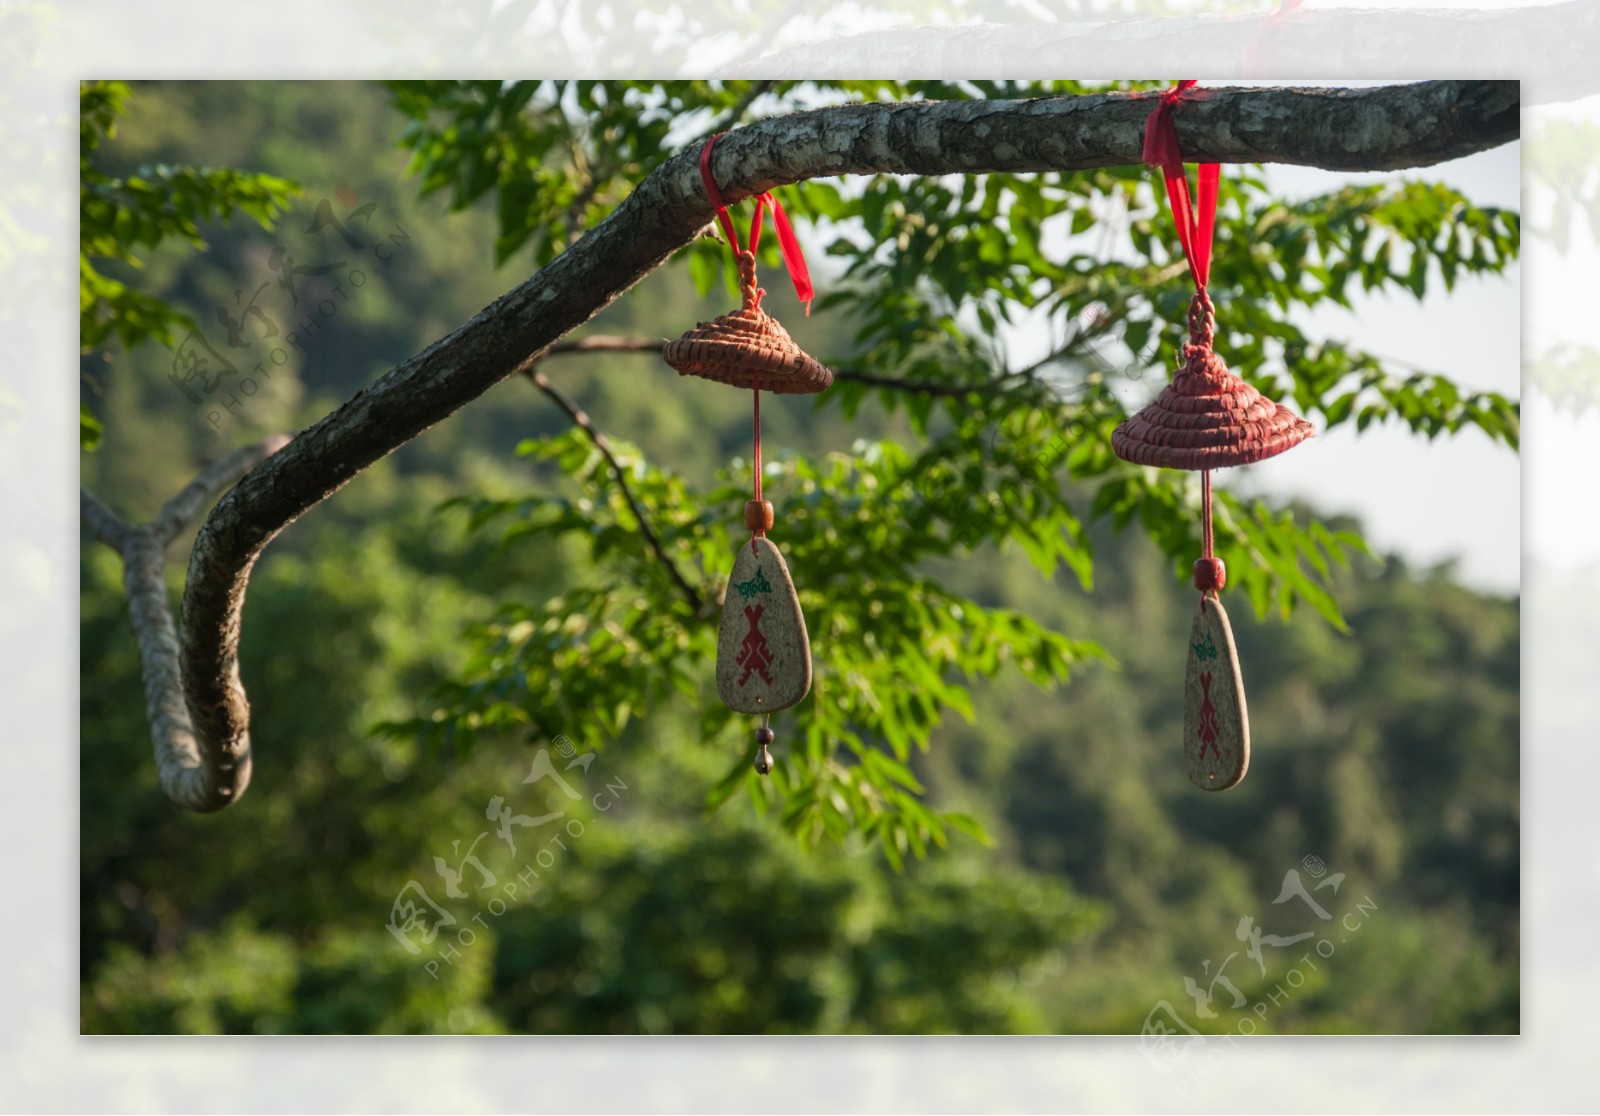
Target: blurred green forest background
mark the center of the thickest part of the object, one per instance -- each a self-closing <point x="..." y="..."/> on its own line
<point x="1390" y="753"/>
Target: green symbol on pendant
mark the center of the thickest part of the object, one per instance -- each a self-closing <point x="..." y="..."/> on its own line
<point x="757" y="584"/>
<point x="1205" y="649"/>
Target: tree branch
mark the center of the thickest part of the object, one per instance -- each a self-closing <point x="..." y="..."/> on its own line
<point x="103" y="523"/>
<point x="581" y="420"/>
<point x="195" y="778"/>
<point x="606" y="343"/>
<point x="1380" y="128"/>
<point x="212" y="480"/>
<point x="935" y="388"/>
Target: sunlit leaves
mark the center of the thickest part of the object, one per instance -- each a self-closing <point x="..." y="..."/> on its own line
<point x="934" y="283"/>
<point x="1276" y="558"/>
<point x="1398" y="236"/>
<point x="90" y="429"/>
<point x="557" y="155"/>
<point x="896" y="650"/>
<point x="119" y="218"/>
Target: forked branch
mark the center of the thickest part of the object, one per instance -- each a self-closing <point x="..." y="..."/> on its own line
<point x="194" y="777"/>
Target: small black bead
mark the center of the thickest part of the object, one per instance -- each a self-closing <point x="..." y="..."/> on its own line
<point x="764" y="735"/>
<point x="763" y="761"/>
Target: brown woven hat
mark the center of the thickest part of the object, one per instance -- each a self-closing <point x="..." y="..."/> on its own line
<point x="748" y="344"/>
<point x="1207" y="418"/>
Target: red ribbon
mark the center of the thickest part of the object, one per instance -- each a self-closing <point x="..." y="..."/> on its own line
<point x="1194" y="233"/>
<point x="793" y="258"/>
<point x="1161" y="149"/>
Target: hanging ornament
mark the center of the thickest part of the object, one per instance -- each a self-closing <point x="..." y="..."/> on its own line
<point x="1206" y="418"/>
<point x="763" y="653"/>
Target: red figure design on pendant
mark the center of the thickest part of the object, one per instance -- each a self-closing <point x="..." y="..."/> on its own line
<point x="754" y="654"/>
<point x="1208" y="718"/>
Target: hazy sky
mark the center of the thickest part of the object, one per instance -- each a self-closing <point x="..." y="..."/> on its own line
<point x="1455" y="496"/>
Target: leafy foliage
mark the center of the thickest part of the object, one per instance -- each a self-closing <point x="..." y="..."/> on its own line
<point x="830" y="946"/>
<point x="972" y="557"/>
<point x="935" y="271"/>
<point x="902" y="644"/>
<point x="120" y="217"/>
<point x="557" y="155"/>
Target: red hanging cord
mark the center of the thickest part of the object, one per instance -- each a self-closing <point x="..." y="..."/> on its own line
<point x="1196" y="225"/>
<point x="757" y="533"/>
<point x="788" y="246"/>
<point x="714" y="195"/>
<point x="793" y="259"/>
<point x="1161" y="149"/>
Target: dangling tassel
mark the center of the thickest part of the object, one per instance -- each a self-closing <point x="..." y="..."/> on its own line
<point x="1216" y="726"/>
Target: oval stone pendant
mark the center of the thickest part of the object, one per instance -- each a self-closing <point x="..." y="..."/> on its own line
<point x="763" y="654"/>
<point x="1216" y="728"/>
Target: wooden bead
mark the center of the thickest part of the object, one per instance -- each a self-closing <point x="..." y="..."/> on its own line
<point x="758" y="515"/>
<point x="1210" y="573"/>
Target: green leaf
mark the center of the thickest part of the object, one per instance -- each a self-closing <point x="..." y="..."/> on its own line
<point x="89" y="429"/>
<point x="970" y="825"/>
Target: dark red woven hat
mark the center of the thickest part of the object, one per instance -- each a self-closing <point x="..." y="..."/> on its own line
<point x="746" y="346"/>
<point x="1207" y="418"/>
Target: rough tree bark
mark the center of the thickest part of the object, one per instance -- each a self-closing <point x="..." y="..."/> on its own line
<point x="1382" y="128"/>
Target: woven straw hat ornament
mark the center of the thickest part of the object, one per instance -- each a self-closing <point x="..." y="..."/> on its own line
<point x="1206" y="418"/>
<point x="763" y="652"/>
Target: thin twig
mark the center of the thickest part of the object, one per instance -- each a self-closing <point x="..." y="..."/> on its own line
<point x="916" y="387"/>
<point x="581" y="421"/>
<point x="105" y="524"/>
<point x="579" y="203"/>
<point x="610" y="343"/>
<point x="212" y="480"/>
<point x="1081" y="339"/>
<point x="605" y="343"/>
<point x="192" y="778"/>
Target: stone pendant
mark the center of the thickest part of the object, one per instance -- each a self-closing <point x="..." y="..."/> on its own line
<point x="1216" y="728"/>
<point x="763" y="654"/>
